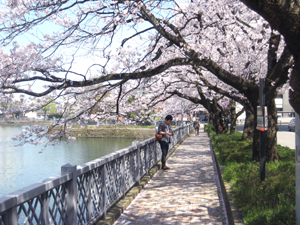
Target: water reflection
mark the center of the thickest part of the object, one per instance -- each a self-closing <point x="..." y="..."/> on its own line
<point x="24" y="165"/>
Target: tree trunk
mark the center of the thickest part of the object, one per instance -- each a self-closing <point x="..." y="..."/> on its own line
<point x="220" y="126"/>
<point x="225" y="126"/>
<point x="211" y="118"/>
<point x="233" y="117"/>
<point x="256" y="145"/>
<point x="250" y="132"/>
<point x="249" y="126"/>
<point x="217" y="124"/>
<point x="214" y="117"/>
<point x="271" y="140"/>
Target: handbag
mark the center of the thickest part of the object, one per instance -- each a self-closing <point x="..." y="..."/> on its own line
<point x="158" y="137"/>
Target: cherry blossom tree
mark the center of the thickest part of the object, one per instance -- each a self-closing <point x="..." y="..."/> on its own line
<point x="284" y="17"/>
<point x="9" y="106"/>
<point x="277" y="76"/>
<point x="137" y="49"/>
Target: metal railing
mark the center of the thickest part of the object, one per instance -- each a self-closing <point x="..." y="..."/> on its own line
<point x="83" y="194"/>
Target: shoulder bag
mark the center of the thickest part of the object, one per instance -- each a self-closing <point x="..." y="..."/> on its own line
<point x="157" y="136"/>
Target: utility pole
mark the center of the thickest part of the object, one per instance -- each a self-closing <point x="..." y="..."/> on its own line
<point x="262" y="126"/>
<point x="297" y="159"/>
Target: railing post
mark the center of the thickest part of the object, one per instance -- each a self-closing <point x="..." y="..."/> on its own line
<point x="146" y="157"/>
<point x="181" y="132"/>
<point x="104" y="198"/>
<point x="174" y="137"/>
<point x="171" y="143"/>
<point x="71" y="198"/>
<point x="123" y="176"/>
<point x="155" y="153"/>
<point x="138" y="161"/>
<point x="45" y="209"/>
<point x="89" y="196"/>
<point x="11" y="216"/>
<point x="114" y="174"/>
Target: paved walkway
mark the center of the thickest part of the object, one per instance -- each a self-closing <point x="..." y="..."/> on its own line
<point x="185" y="194"/>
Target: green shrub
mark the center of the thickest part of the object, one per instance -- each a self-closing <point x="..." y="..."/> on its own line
<point x="55" y="115"/>
<point x="267" y="202"/>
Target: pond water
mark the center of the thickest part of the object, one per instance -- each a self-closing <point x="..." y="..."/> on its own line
<point x="24" y="165"/>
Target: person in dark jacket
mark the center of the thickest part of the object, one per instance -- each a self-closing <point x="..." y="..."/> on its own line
<point x="166" y="131"/>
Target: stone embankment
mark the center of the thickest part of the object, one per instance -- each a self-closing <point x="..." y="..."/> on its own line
<point x="25" y="123"/>
<point x="113" y="132"/>
<point x="95" y="132"/>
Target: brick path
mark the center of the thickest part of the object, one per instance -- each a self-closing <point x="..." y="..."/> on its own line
<point x="185" y="194"/>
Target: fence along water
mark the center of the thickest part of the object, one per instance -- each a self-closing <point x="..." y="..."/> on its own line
<point x="82" y="194"/>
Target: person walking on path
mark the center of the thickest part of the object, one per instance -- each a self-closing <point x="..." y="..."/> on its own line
<point x="166" y="131"/>
<point x="196" y="127"/>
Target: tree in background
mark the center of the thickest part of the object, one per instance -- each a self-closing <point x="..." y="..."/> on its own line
<point x="284" y="16"/>
<point x="49" y="109"/>
<point x="223" y="40"/>
<point x="14" y="107"/>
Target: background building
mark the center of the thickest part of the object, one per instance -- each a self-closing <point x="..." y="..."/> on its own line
<point x="285" y="111"/>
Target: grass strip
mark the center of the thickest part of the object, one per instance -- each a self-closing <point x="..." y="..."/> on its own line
<point x="266" y="202"/>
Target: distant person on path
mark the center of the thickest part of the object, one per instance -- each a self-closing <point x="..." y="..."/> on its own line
<point x="166" y="131"/>
<point x="196" y="127"/>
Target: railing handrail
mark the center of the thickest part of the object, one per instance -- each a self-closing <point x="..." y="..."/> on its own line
<point x="24" y="194"/>
<point x="113" y="163"/>
<point x="81" y="169"/>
